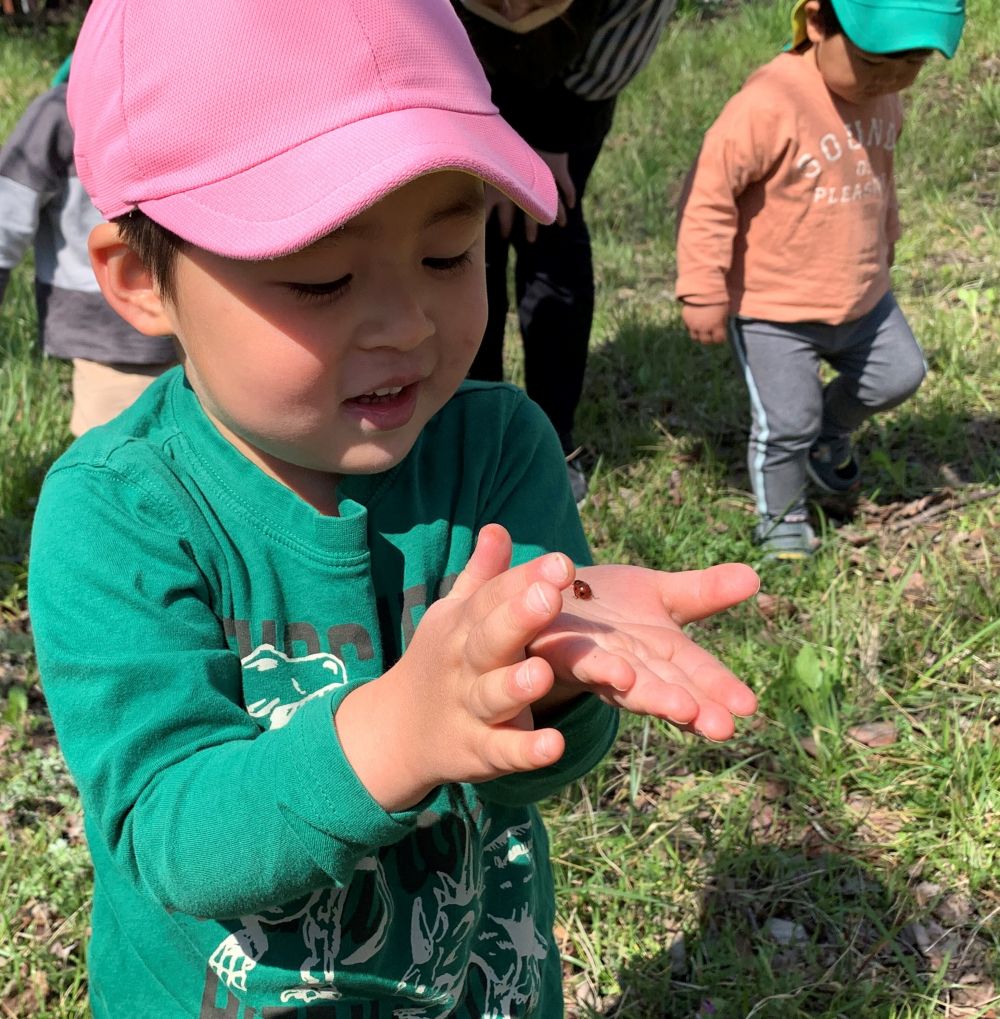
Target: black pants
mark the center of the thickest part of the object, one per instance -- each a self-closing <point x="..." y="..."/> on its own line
<point x="554" y="289"/>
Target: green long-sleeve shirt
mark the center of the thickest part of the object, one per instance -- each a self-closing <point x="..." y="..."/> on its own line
<point x="197" y="625"/>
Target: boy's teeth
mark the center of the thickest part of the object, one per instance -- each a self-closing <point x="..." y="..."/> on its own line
<point x="376" y="394"/>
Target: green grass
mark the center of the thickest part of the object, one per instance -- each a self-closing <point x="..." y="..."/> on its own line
<point x="806" y="868"/>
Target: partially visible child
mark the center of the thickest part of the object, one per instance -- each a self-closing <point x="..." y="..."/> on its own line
<point x="786" y="238"/>
<point x="308" y="701"/>
<point x="42" y="204"/>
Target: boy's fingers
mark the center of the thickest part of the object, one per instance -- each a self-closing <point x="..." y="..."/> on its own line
<point x="503" y="633"/>
<point x="704" y="677"/>
<point x="716" y="684"/>
<point x="553" y="568"/>
<point x="696" y="594"/>
<point x="489" y="577"/>
<point x="679" y="703"/>
<point x="587" y="662"/>
<point x="714" y="723"/>
<point x="490" y="558"/>
<point x="660" y="690"/>
<point x="506" y="751"/>
<point x="504" y="694"/>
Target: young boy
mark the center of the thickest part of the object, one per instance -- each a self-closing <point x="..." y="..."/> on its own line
<point x="43" y="204"/>
<point x="308" y="702"/>
<point x="786" y="236"/>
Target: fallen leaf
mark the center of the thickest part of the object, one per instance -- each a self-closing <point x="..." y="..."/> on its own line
<point x="973" y="995"/>
<point x="954" y="909"/>
<point x="810" y="746"/>
<point x="925" y="891"/>
<point x="874" y="734"/>
<point x="762" y="819"/>
<point x="772" y="606"/>
<point x="915" y="587"/>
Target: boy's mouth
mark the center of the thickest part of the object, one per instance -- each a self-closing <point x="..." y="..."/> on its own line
<point x="385" y="408"/>
<point x="379" y="395"/>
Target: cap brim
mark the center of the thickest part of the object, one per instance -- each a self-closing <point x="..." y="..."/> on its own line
<point x="893" y="27"/>
<point x="294" y="198"/>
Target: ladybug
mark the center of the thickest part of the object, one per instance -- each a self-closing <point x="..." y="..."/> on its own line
<point x="581" y="589"/>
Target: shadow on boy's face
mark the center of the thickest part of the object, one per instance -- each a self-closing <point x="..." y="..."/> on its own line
<point x="377" y="271"/>
<point x="334" y="357"/>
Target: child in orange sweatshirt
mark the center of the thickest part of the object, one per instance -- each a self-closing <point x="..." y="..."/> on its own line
<point x="785" y="240"/>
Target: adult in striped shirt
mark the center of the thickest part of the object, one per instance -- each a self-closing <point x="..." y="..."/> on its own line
<point x="556" y="68"/>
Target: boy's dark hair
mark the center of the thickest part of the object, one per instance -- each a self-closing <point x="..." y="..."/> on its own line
<point x="828" y="18"/>
<point x="156" y="246"/>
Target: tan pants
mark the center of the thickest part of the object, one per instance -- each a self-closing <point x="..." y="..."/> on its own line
<point x="102" y="391"/>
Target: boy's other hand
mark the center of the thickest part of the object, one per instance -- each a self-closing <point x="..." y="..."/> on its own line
<point x="457" y="706"/>
<point x="706" y="322"/>
<point x="626" y="644"/>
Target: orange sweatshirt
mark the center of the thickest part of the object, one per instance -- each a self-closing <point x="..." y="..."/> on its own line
<point x="790" y="209"/>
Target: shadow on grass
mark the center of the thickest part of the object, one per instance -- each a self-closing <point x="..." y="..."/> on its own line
<point x="650" y="384"/>
<point x="779" y="934"/>
<point x="795" y="934"/>
<point x="20" y="486"/>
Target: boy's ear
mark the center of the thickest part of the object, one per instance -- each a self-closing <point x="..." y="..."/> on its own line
<point x="126" y="283"/>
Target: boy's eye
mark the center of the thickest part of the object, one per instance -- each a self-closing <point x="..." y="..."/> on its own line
<point x="451" y="264"/>
<point x="319" y="291"/>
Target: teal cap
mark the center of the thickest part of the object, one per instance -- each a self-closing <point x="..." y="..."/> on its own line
<point x="894" y="26"/>
<point x="62" y="75"/>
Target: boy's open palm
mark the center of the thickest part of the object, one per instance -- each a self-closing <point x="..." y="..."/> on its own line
<point x="481" y="670"/>
<point x="626" y="644"/>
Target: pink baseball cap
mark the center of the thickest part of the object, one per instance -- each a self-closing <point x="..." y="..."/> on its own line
<point x="251" y="128"/>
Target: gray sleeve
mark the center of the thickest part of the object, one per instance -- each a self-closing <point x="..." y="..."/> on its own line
<point x="39" y="151"/>
<point x="20" y="210"/>
<point x="35" y="163"/>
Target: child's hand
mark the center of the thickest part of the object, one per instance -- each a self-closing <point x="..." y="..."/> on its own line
<point x="457" y="705"/>
<point x="625" y="644"/>
<point x="706" y="322"/>
<point x="558" y="163"/>
<point x="497" y="203"/>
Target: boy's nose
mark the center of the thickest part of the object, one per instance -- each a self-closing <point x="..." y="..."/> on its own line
<point x="399" y="319"/>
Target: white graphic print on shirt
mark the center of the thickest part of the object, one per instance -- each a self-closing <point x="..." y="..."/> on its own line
<point x="855" y="145"/>
<point x="435" y="940"/>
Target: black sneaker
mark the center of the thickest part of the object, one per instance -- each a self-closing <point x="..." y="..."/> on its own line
<point x="833" y="466"/>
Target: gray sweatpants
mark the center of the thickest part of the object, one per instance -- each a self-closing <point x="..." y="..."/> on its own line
<point x="879" y="365"/>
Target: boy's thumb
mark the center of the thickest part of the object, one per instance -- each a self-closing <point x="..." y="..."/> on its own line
<point x="489" y="559"/>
